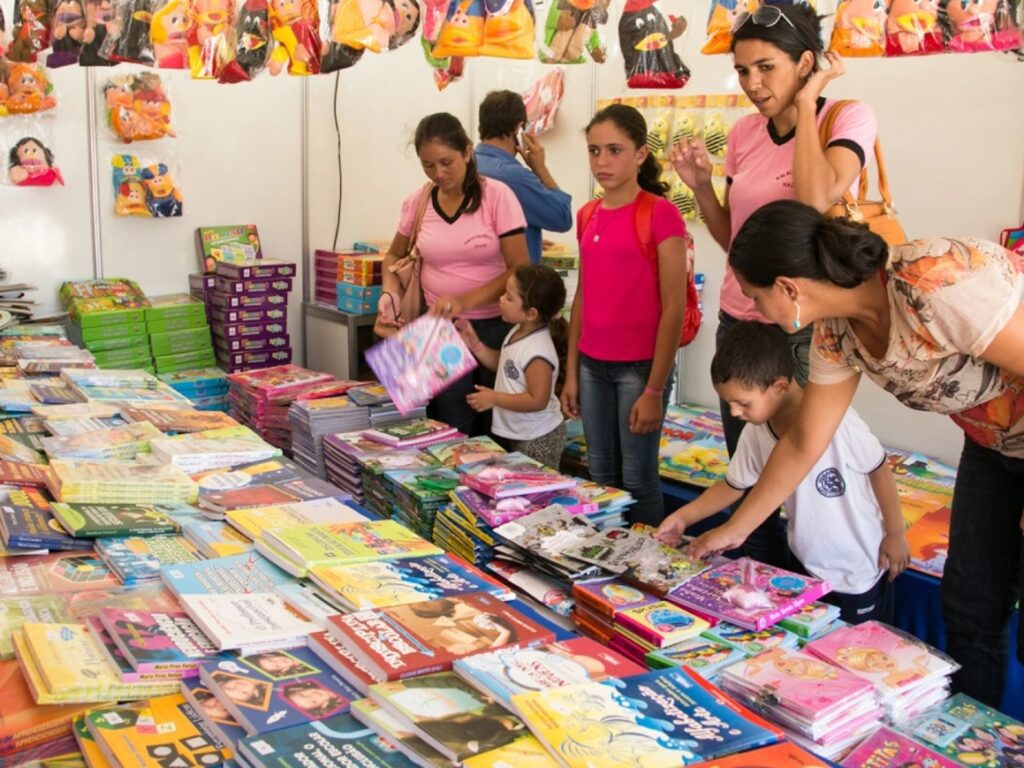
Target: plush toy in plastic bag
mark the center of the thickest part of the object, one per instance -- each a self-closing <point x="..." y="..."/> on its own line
<point x="30" y="163"/>
<point x="30" y="34"/>
<point x="658" y="133"/>
<point x="721" y="20"/>
<point x="295" y="26"/>
<point x="169" y="33"/>
<point x="859" y="29"/>
<point x="509" y="29"/>
<point x="912" y="28"/>
<point x="67" y="28"/>
<point x="407" y="21"/>
<point x="100" y="21"/>
<point x="979" y="25"/>
<point x="363" y="24"/>
<point x="130" y="41"/>
<point x="129" y="191"/>
<point x="25" y="89"/>
<point x="334" y="56"/>
<point x="448" y="69"/>
<point x="681" y="196"/>
<point x="163" y="199"/>
<point x="572" y="29"/>
<point x="4" y="42"/>
<point x="645" y="37"/>
<point x="252" y="43"/>
<point x="210" y="37"/>
<point x="542" y="100"/>
<point x="462" y="33"/>
<point x="137" y="107"/>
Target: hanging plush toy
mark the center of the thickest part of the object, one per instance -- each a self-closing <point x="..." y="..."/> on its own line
<point x="860" y="28"/>
<point x="462" y="33"/>
<point x="131" y="40"/>
<point x="682" y="197"/>
<point x="30" y="164"/>
<point x="716" y="134"/>
<point x="66" y="33"/>
<point x="169" y="33"/>
<point x="31" y="33"/>
<point x="4" y="42"/>
<point x="912" y="28"/>
<point x="407" y="21"/>
<point x="571" y="29"/>
<point x="27" y="90"/>
<point x="294" y="24"/>
<point x="721" y="20"/>
<point x="162" y="197"/>
<point x="335" y="56"/>
<point x="646" y="40"/>
<point x="252" y="43"/>
<point x="448" y="69"/>
<point x="657" y="133"/>
<point x="209" y="47"/>
<point x="542" y="100"/>
<point x="979" y="25"/>
<point x="100" y="21"/>
<point x="508" y="29"/>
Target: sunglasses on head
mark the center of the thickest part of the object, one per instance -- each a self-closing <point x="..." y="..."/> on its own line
<point x="764" y="16"/>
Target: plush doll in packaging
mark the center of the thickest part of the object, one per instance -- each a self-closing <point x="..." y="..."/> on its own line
<point x="859" y="29"/>
<point x="335" y="56"/>
<point x="912" y="28"/>
<point x="657" y="133"/>
<point x="462" y="33"/>
<point x="542" y="100"/>
<point x="295" y="26"/>
<point x="252" y="43"/>
<point x="162" y="197"/>
<point x="30" y="164"/>
<point x="137" y="107"/>
<point x="100" y="21"/>
<point x="130" y="41"/>
<point x="27" y="90"/>
<point x="508" y="29"/>
<point x="572" y="28"/>
<point x="129" y="191"/>
<point x="31" y="32"/>
<point x="66" y="32"/>
<point x="362" y="24"/>
<point x="721" y="20"/>
<point x="979" y="25"/>
<point x="645" y="37"/>
<point x="169" y="33"/>
<point x="4" y="42"/>
<point x="209" y="37"/>
<point x="447" y="69"/>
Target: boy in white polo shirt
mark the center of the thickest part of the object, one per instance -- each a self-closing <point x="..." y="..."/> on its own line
<point x="845" y="523"/>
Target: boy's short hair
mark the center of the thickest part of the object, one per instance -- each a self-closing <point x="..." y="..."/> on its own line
<point x="500" y="113"/>
<point x="755" y="354"/>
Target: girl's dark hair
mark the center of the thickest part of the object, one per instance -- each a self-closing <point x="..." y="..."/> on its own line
<point x="542" y="289"/>
<point x="446" y="129"/>
<point x="804" y="35"/>
<point x="631" y="122"/>
<point x="12" y="158"/>
<point x="789" y="239"/>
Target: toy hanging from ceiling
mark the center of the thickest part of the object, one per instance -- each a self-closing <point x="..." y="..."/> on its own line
<point x="252" y="43"/>
<point x="130" y="39"/>
<point x="334" y="56"/>
<point x="571" y="30"/>
<point x="30" y="33"/>
<point x="209" y="37"/>
<point x="645" y="37"/>
<point x="169" y="33"/>
<point x="499" y="28"/>
<point x="66" y="32"/>
<point x="449" y="68"/>
<point x="295" y="26"/>
<point x="912" y="28"/>
<point x="100" y="21"/>
<point x="859" y="28"/>
<point x="973" y="26"/>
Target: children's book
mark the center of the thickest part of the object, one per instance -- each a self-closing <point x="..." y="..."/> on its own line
<point x="969" y="733"/>
<point x="371" y="394"/>
<point x="747" y="593"/>
<point x="215" y="717"/>
<point x="609" y="596"/>
<point x="338" y="742"/>
<point x="810" y="619"/>
<point x="15" y="612"/>
<point x="662" y="719"/>
<point x="55" y="573"/>
<point x="407" y="640"/>
<point x="886" y="748"/>
<point x="23" y="723"/>
<point x="503" y="673"/>
<point x="700" y="654"/>
<point x="214" y="538"/>
<point x="125" y="671"/>
<point x="28" y="527"/>
<point x="161" y="732"/>
<point x="179" y="420"/>
<point x="408" y="434"/>
<point x="399" y="732"/>
<point x="253" y="521"/>
<point x="277" y="481"/>
<point x="449" y="714"/>
<point x="278" y="381"/>
<point x="751" y="642"/>
<point x="660" y="624"/>
<point x="782" y="755"/>
<point x="277" y="689"/>
<point x="227" y="243"/>
<point x="91" y="521"/>
<point x="497" y="512"/>
<point x="512" y="474"/>
<point x="467" y="450"/>
<point x="138" y="558"/>
<point x="928" y="540"/>
<point x="420" y="360"/>
<point x="360" y="586"/>
<point x="545" y="534"/>
<point x="157" y="641"/>
<point x="127" y="483"/>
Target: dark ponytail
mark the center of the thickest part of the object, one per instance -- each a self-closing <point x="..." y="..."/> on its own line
<point x="446" y="129"/>
<point x="789" y="239"/>
<point x="542" y="289"/>
<point x="629" y="120"/>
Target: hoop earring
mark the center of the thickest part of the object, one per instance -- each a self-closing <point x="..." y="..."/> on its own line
<point x="796" y="320"/>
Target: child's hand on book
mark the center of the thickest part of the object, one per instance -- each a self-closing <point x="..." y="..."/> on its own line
<point x="671" y="530"/>
<point x="482" y="400"/>
<point x="894" y="554"/>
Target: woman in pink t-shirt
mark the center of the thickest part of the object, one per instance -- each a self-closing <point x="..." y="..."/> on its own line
<point x="471" y="239"/>
<point x="627" y="313"/>
<point x="776" y="154"/>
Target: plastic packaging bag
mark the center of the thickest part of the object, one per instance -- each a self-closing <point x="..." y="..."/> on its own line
<point x="24" y="89"/>
<point x="169" y="32"/>
<point x="542" y="100"/>
<point x="499" y="28"/>
<point x="138" y="108"/>
<point x="859" y="29"/>
<point x="295" y="26"/>
<point x="972" y="26"/>
<point x="912" y="28"/>
<point x="100" y="21"/>
<point x="446" y="69"/>
<point x="67" y="30"/>
<point x="650" y="58"/>
<point x="30" y="30"/>
<point x="28" y="156"/>
<point x="148" y="188"/>
<point x="211" y="37"/>
<point x="252" y="43"/>
<point x="334" y="56"/>
<point x="129" y="39"/>
<point x="573" y="29"/>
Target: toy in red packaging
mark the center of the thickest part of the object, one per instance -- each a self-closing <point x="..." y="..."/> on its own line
<point x="66" y="32"/>
<point x="294" y="25"/>
<point x="30" y="164"/>
<point x="252" y="43"/>
<point x="646" y="36"/>
<point x="209" y="37"/>
<point x="169" y="32"/>
<point x="137" y="107"/>
<point x="859" y="29"/>
<point x="26" y="89"/>
<point x="30" y="34"/>
<point x="100" y="21"/>
<point x="979" y="25"/>
<point x="912" y="28"/>
<point x="129" y="38"/>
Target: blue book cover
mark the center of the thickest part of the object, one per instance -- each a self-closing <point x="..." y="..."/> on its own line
<point x="242" y="574"/>
<point x="277" y="689"/>
<point x="28" y="527"/>
<point x="140" y="558"/>
<point x="970" y="733"/>
<point x="335" y="743"/>
<point x="666" y="718"/>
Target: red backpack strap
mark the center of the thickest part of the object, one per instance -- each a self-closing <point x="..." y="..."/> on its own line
<point x="644" y="221"/>
<point x="586" y="214"/>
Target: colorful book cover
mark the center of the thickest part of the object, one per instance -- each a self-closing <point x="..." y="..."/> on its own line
<point x="138" y="558"/>
<point x="661" y="624"/>
<point x="373" y="394"/>
<point x="663" y="719"/>
<point x="90" y="751"/>
<point x="179" y="420"/>
<point x="700" y="654"/>
<point x="125" y="442"/>
<point x="420" y="360"/>
<point x="124" y="669"/>
<point x="609" y="596"/>
<point x="128" y="483"/>
<point x="497" y="512"/>
<point x="691" y="456"/>
<point x="55" y="573"/>
<point x="337" y="742"/>
<point x="406" y="640"/>
<point x="449" y="714"/>
<point x="215" y="539"/>
<point x="467" y="450"/>
<point x="90" y="521"/>
<point x="278" y="381"/>
<point x="277" y="689"/>
<point x="399" y="732"/>
<point x="360" y="586"/>
<point x="23" y="723"/>
<point x="253" y="521"/>
<point x="215" y="715"/>
<point x="889" y="659"/>
<point x="886" y="748"/>
<point x="15" y="612"/>
<point x="157" y="641"/>
<point x="512" y="474"/>
<point x="19" y="474"/>
<point x="969" y="733"/>
<point x="509" y="671"/>
<point x="752" y="641"/>
<point x="928" y="540"/>
<point x="545" y="590"/>
<point x="229" y="243"/>
<point x="810" y="619"/>
<point x="325" y="545"/>
<point x="409" y="433"/>
<point x="747" y="593"/>
<point x="782" y="755"/>
<point x="278" y="481"/>
<point x="12" y="450"/>
<point x="28" y="527"/>
<point x="161" y="732"/>
<point x="340" y="658"/>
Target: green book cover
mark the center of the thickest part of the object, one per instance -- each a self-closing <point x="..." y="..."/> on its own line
<point x="176" y="323"/>
<point x="175" y="342"/>
<point x="16" y="611"/>
<point x="124" y="328"/>
<point x="116" y="343"/>
<point x="316" y="545"/>
<point x="123" y="358"/>
<point x="198" y="358"/>
<point x="108" y="318"/>
<point x="174" y="305"/>
<point x="90" y="521"/>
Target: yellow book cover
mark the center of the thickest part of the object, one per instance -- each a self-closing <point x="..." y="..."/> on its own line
<point x="87" y="744"/>
<point x="526" y="752"/>
<point x="253" y="521"/>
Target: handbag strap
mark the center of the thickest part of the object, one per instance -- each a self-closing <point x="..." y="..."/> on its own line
<point x="421" y="209"/>
<point x="825" y="132"/>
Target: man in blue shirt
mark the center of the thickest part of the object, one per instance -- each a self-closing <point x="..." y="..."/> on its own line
<point x="502" y="117"/>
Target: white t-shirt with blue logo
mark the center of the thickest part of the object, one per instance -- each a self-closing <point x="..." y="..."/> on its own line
<point x="835" y="524"/>
<point x="516" y="357"/>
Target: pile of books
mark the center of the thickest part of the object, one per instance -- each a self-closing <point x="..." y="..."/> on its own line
<point x="353" y="461"/>
<point x="179" y="333"/>
<point x="418" y="494"/>
<point x="261" y="398"/>
<point x="207" y="388"/>
<point x="108" y="319"/>
<point x="355" y="286"/>
<point x="121" y="387"/>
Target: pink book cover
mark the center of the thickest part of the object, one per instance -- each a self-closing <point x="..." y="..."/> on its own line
<point x="628" y="648"/>
<point x="875" y="652"/>
<point x="747" y="593"/>
<point x="886" y="748"/>
<point x="799" y="681"/>
<point x="497" y="512"/>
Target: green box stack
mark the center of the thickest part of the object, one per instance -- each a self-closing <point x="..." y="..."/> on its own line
<point x="179" y="333"/>
<point x="107" y="317"/>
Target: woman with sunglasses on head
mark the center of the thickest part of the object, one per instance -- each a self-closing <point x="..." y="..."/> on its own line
<point x="776" y="154"/>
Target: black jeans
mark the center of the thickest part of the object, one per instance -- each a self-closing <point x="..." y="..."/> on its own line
<point x="983" y="574"/>
<point x="450" y="406"/>
<point x="875" y="604"/>
<point x="768" y="541"/>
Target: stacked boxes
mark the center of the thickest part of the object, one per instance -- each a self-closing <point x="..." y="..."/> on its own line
<point x="327" y="265"/>
<point x="179" y="333"/>
<point x="108" y="318"/>
<point x="207" y="388"/>
<point x="359" y="282"/>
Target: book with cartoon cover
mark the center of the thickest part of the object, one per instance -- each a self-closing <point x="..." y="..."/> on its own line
<point x="512" y="474"/>
<point x="91" y="521"/>
<point x="420" y="360"/>
<point x="969" y="733"/>
<point x="660" y="624"/>
<point x="261" y="483"/>
<point x="466" y="450"/>
<point x="751" y="642"/>
<point x="406" y="434"/>
<point x="253" y="521"/>
<point x="179" y="419"/>
<point x="886" y="748"/>
<point x="497" y="512"/>
<point x="700" y="654"/>
<point x="928" y="540"/>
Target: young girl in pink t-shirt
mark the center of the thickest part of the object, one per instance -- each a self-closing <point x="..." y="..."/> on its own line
<point x="627" y="314"/>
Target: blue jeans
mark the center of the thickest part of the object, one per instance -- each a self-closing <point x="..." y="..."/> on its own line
<point x="983" y="574"/>
<point x="616" y="456"/>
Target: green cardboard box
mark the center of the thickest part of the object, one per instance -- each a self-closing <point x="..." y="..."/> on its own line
<point x="175" y="342"/>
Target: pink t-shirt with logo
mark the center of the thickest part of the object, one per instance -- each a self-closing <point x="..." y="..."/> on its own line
<point x="759" y="167"/>
<point x="462" y="253"/>
<point x="619" y="285"/>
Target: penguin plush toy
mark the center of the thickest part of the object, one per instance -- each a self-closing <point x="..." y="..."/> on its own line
<point x="645" y="37"/>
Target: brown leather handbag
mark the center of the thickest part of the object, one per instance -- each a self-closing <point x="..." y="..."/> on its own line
<point x="407" y="269"/>
<point x="879" y="215"/>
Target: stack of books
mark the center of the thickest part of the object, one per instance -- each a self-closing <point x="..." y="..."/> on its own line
<point x="692" y="446"/>
<point x="134" y="559"/>
<point x="417" y="496"/>
<point x="460" y="531"/>
<point x="207" y="388"/>
<point x="123" y="483"/>
<point x="254" y="284"/>
<point x="358" y="282"/>
<point x="179" y="333"/>
<point x="539" y="541"/>
<point x="510" y="475"/>
<point x="261" y="398"/>
<point x="413" y="433"/>
<point x="598" y="600"/>
<point x="967" y="732"/>
<point x="655" y="626"/>
<point x="121" y="387"/>
<point x="175" y="421"/>
<point x="108" y="319"/>
<point x="196" y="452"/>
<point x="887" y="748"/>
<point x="812" y="621"/>
<point x="125" y="443"/>
<point x="701" y="654"/>
<point x="312" y="420"/>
